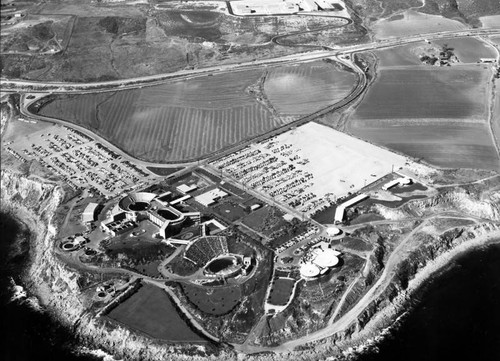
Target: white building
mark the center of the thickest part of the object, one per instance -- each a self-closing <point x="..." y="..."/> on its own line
<point x="89" y="213"/>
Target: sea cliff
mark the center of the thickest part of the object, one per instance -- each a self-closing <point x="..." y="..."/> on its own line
<point x="35" y="202"/>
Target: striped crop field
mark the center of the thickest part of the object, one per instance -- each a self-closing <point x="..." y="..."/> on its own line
<point x="171" y="122"/>
<point x="437" y="114"/>
<point x="306" y="88"/>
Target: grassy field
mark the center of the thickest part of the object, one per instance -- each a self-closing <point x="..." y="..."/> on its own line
<point x="172" y="122"/>
<point x="438" y="114"/>
<point x="306" y="88"/>
<point x="214" y="301"/>
<point x="281" y="291"/>
<point x="405" y="55"/>
<point x="468" y="50"/>
<point x="413" y="23"/>
<point x="111" y="41"/>
<point x="150" y="311"/>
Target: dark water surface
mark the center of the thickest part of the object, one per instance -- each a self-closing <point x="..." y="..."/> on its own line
<point x="25" y="333"/>
<point x="458" y="318"/>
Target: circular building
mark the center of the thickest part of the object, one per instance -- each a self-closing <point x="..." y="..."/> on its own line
<point x="327" y="258"/>
<point x="318" y="261"/>
<point x="333" y="231"/>
<point x="136" y="202"/>
<point x="309" y="270"/>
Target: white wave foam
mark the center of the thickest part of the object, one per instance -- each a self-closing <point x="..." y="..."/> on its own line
<point x="97" y="353"/>
<point x="18" y="292"/>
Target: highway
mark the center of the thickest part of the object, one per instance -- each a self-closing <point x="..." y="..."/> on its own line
<point x="24" y="86"/>
<point x="358" y="89"/>
<point x="27" y="86"/>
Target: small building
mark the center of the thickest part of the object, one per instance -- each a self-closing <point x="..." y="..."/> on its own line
<point x="333" y="231"/>
<point x="184" y="188"/>
<point x="403" y="181"/>
<point x="209" y="198"/>
<point x="255" y="206"/>
<point x="340" y="211"/>
<point x="90" y="213"/>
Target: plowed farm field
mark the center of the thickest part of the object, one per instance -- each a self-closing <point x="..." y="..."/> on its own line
<point x="306" y="88"/>
<point x="177" y="121"/>
<point x="436" y="114"/>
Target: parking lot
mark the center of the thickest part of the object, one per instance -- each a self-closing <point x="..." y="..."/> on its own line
<point x="79" y="160"/>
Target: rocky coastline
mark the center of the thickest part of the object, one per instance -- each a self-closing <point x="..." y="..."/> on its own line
<point x="56" y="286"/>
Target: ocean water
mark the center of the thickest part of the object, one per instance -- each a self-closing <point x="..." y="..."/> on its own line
<point x="26" y="333"/>
<point x="457" y="319"/>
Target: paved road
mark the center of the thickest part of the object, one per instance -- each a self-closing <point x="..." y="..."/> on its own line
<point x="26" y="86"/>
<point x="359" y="88"/>
<point x="347" y="319"/>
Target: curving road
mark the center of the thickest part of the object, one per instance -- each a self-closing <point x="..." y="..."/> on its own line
<point x="27" y="86"/>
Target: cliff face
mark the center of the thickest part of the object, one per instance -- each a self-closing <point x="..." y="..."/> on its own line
<point x="35" y="203"/>
<point x="480" y="204"/>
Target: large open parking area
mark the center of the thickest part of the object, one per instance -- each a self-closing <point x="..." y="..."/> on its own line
<point x="78" y="159"/>
<point x="309" y="167"/>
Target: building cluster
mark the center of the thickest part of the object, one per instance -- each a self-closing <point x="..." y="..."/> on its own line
<point x="283" y="7"/>
<point x="125" y="216"/>
<point x="319" y="260"/>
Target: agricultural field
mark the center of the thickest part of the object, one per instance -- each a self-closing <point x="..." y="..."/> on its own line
<point x="468" y="50"/>
<point x="445" y="143"/>
<point x="427" y="92"/>
<point x="406" y="55"/>
<point x="437" y="114"/>
<point x="490" y="21"/>
<point x="172" y="122"/>
<point x="306" y="88"/>
<point x="413" y="23"/>
<point x="150" y="311"/>
<point x="495" y="39"/>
